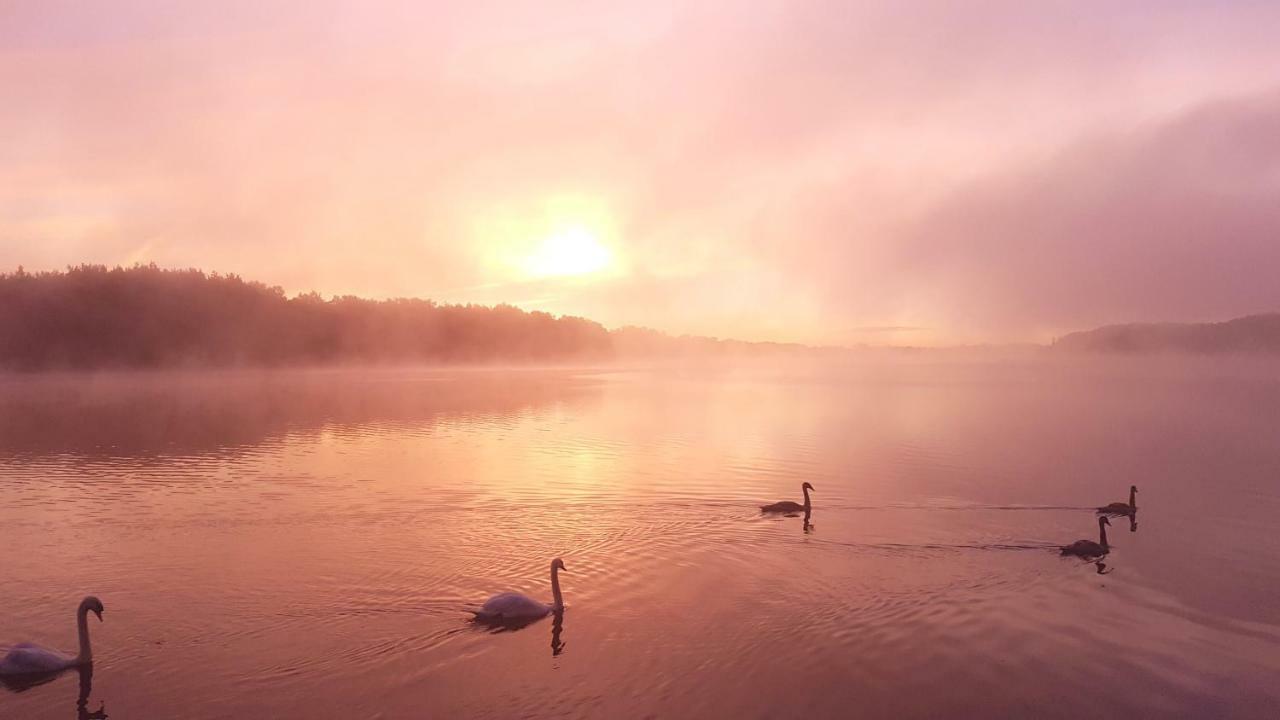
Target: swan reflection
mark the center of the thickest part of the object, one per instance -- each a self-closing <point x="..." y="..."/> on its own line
<point x="514" y="624"/>
<point x="82" y="702"/>
<point x="22" y="683"/>
<point x="557" y="626"/>
<point x="808" y="526"/>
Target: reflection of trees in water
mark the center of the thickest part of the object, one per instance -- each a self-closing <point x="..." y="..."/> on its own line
<point x="126" y="415"/>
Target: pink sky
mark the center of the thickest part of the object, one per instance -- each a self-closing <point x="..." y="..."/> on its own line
<point x="834" y="172"/>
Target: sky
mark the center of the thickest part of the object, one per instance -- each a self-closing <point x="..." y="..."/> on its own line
<point x="919" y="173"/>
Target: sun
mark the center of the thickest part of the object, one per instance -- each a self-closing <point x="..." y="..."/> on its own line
<point x="572" y="250"/>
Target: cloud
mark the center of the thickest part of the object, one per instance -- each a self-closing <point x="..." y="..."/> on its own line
<point x="775" y="170"/>
<point x="1176" y="220"/>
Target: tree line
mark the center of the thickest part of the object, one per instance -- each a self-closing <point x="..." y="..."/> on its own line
<point x="145" y="316"/>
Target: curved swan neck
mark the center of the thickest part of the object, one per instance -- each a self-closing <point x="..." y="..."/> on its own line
<point x="557" y="601"/>
<point x="1133" y="498"/>
<point x="806" y="496"/>
<point x="82" y="627"/>
<point x="1102" y="532"/>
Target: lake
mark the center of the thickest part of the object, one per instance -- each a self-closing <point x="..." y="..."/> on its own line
<point x="306" y="544"/>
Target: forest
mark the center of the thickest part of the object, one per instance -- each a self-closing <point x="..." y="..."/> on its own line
<point x="145" y="316"/>
<point x="1255" y="334"/>
<point x="148" y="317"/>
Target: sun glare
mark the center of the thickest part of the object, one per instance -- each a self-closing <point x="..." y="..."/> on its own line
<point x="571" y="251"/>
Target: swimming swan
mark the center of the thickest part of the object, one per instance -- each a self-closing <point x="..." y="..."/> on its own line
<point x="25" y="658"/>
<point x="1121" y="508"/>
<point x="510" y="606"/>
<point x="1089" y="548"/>
<point x="788" y="506"/>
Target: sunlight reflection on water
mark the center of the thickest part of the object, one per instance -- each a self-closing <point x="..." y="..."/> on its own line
<point x="295" y="544"/>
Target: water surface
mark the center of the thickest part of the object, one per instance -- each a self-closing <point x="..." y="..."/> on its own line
<point x="306" y="544"/>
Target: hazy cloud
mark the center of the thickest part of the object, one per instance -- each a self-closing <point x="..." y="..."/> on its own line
<point x="781" y="170"/>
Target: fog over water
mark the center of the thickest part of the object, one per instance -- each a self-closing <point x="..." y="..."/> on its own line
<point x="297" y="543"/>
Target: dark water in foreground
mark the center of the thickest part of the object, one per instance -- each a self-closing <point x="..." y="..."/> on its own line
<point x="304" y="545"/>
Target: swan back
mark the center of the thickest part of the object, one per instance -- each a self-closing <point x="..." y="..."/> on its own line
<point x="29" y="659"/>
<point x="511" y="606"/>
<point x="1084" y="548"/>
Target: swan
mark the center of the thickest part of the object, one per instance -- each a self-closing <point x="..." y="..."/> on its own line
<point x="1121" y="508"/>
<point x="788" y="506"/>
<point x="515" y="607"/>
<point x="1089" y="548"/>
<point x="26" y="659"/>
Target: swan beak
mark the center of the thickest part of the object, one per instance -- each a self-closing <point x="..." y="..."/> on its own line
<point x="99" y="614"/>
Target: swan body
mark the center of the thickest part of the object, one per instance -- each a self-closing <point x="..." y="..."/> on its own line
<point x="511" y="606"/>
<point x="1121" y="508"/>
<point x="30" y="659"/>
<point x="1089" y="548"/>
<point x="787" y="506"/>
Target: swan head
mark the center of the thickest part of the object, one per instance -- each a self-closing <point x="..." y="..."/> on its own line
<point x="807" y="486"/>
<point x="1133" y="488"/>
<point x="558" y="564"/>
<point x="1103" y="520"/>
<point x="92" y="603"/>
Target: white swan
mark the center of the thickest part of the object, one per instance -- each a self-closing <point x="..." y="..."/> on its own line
<point x="1089" y="548"/>
<point x="788" y="506"/>
<point x="1121" y="508"/>
<point x="514" y="607"/>
<point x="27" y="659"/>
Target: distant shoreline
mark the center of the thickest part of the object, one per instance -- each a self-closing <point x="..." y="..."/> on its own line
<point x="1251" y="334"/>
<point x="145" y="317"/>
<point x="92" y="317"/>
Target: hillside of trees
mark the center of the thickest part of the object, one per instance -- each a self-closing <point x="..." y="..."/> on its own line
<point x="147" y="317"/>
<point x="1249" y="334"/>
<point x="93" y="317"/>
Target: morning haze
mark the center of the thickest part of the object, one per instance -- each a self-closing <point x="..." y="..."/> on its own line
<point x="992" y="172"/>
<point x="665" y="360"/>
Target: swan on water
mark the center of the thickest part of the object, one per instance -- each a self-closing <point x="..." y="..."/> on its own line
<point x="26" y="658"/>
<point x="1089" y="548"/>
<point x="511" y="606"/>
<point x="1121" y="508"/>
<point x="788" y="506"/>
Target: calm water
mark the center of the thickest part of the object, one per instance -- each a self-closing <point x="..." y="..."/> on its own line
<point x="305" y="545"/>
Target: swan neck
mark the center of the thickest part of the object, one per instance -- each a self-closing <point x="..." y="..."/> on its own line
<point x="557" y="601"/>
<point x="1102" y="531"/>
<point x="82" y="628"/>
<point x="1133" y="498"/>
<point x="806" y="498"/>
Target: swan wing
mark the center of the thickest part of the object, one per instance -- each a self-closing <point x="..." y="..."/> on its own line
<point x="1117" y="508"/>
<point x="511" y="605"/>
<point x="1084" y="548"/>
<point x="27" y="658"/>
<point x="784" y="506"/>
